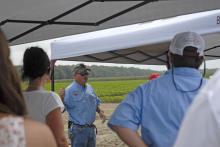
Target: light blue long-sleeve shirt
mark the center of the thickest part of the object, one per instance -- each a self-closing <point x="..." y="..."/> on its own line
<point x="81" y="103"/>
<point x="159" y="106"/>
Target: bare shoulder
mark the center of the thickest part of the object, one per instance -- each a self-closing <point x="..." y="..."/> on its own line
<point x="36" y="126"/>
<point x="38" y="134"/>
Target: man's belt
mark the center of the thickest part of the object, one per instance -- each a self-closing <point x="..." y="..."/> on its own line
<point x="70" y="124"/>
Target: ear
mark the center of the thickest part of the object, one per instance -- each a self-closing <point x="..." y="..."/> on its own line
<point x="45" y="78"/>
<point x="200" y="60"/>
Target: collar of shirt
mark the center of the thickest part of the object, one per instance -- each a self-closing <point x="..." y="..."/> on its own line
<point x="185" y="71"/>
<point x="78" y="86"/>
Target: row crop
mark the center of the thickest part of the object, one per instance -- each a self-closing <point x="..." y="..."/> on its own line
<point x="108" y="91"/>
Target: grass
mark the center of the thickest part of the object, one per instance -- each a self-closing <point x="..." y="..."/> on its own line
<point x="109" y="91"/>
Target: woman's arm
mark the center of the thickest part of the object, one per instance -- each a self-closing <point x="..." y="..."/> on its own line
<point x="38" y="134"/>
<point x="55" y="122"/>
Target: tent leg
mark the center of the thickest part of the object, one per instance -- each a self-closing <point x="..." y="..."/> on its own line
<point x="52" y="75"/>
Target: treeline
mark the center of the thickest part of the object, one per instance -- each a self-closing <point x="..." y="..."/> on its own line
<point x="66" y="72"/>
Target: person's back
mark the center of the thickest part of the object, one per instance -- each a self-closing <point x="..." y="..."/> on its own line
<point x="40" y="103"/>
<point x="19" y="132"/>
<point x="160" y="105"/>
<point x="165" y="105"/>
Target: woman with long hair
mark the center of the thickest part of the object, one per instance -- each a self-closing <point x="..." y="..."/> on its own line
<point x="15" y="128"/>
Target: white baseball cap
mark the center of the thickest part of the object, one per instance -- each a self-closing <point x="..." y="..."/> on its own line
<point x="182" y="40"/>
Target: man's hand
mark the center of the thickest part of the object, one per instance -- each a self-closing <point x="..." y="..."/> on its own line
<point x="62" y="94"/>
<point x="102" y="116"/>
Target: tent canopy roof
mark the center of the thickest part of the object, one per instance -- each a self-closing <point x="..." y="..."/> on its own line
<point x="142" y="43"/>
<point x="26" y="21"/>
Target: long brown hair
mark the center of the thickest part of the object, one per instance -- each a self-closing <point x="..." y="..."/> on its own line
<point x="11" y="98"/>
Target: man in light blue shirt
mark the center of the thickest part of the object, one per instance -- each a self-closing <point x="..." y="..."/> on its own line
<point x="82" y="103"/>
<point x="158" y="106"/>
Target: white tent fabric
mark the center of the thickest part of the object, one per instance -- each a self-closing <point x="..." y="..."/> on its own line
<point x="26" y="21"/>
<point x="143" y="43"/>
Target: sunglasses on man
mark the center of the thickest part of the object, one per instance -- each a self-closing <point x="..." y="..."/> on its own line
<point x="84" y="74"/>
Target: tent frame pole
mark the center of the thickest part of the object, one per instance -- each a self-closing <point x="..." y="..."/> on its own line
<point x="54" y="20"/>
<point x="52" y="75"/>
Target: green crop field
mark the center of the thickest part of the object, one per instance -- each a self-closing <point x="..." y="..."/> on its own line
<point x="110" y="91"/>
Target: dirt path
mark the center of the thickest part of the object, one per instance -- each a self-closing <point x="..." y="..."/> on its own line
<point x="105" y="137"/>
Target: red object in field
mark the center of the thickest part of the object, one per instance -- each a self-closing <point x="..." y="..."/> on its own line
<point x="153" y="76"/>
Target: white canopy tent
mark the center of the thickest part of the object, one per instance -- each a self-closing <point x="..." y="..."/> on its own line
<point x="26" y="21"/>
<point x="143" y="43"/>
